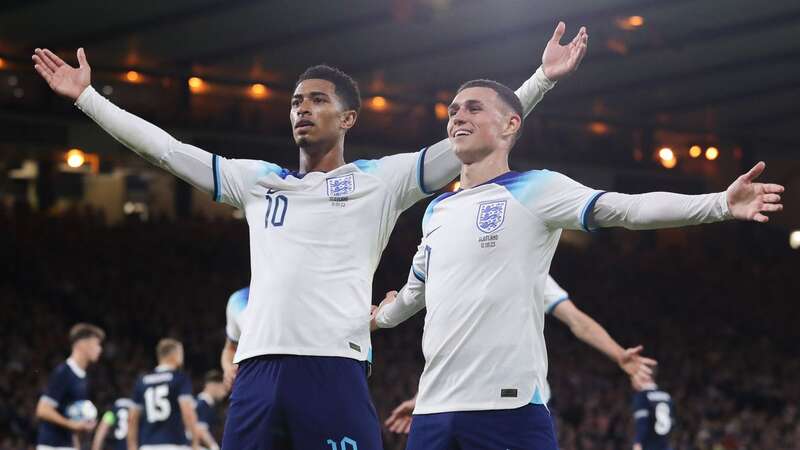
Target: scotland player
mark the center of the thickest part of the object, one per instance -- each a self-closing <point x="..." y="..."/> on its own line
<point x="654" y="414"/>
<point x="163" y="411"/>
<point x="114" y="425"/>
<point x="557" y="303"/>
<point x="301" y="380"/>
<point x="482" y="265"/>
<point x="66" y="386"/>
<point x="233" y="331"/>
<point x="213" y="392"/>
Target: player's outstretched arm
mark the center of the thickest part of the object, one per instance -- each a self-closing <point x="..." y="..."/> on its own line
<point x="558" y="61"/>
<point x="152" y="143"/>
<point x="745" y="199"/>
<point x="399" y="420"/>
<point x="589" y="331"/>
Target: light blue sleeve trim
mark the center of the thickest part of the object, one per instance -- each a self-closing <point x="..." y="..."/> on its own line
<point x="215" y="168"/>
<point x="421" y="172"/>
<point x="553" y="305"/>
<point x="418" y="275"/>
<point x="587" y="211"/>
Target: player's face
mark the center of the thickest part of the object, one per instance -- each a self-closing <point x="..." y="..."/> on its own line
<point x="179" y="356"/>
<point x="317" y="114"/>
<point x="218" y="390"/>
<point x="478" y="123"/>
<point x="92" y="347"/>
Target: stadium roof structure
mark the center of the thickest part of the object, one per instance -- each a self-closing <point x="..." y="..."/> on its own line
<point x="728" y="67"/>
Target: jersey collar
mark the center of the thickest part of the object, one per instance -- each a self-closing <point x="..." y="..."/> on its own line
<point x="76" y="369"/>
<point x="206" y="398"/>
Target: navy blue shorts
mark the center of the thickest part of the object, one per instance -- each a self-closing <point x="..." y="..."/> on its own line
<point x="525" y="428"/>
<point x="285" y="402"/>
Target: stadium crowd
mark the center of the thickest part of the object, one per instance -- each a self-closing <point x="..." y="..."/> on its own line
<point x="713" y="305"/>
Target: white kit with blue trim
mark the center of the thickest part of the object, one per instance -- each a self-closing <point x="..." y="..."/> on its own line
<point x="481" y="271"/>
<point x="483" y="265"/>
<point x="315" y="238"/>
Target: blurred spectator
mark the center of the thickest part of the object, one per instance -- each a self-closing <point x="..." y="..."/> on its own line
<point x="713" y="305"/>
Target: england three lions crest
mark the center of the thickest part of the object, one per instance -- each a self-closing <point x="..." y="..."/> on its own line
<point x="340" y="187"/>
<point x="491" y="215"/>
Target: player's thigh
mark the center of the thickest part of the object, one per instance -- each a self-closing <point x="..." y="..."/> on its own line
<point x="527" y="428"/>
<point x="432" y="432"/>
<point x="254" y="420"/>
<point x="329" y="406"/>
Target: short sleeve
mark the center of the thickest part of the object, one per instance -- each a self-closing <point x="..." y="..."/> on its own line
<point x="403" y="174"/>
<point x="138" y="395"/>
<point x="553" y="295"/>
<point x="559" y="201"/>
<point x="234" y="178"/>
<point x="57" y="387"/>
<point x="184" y="386"/>
<point x="236" y="304"/>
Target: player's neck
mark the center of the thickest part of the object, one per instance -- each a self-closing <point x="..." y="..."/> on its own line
<point x="492" y="166"/>
<point x="322" y="159"/>
<point x="80" y="360"/>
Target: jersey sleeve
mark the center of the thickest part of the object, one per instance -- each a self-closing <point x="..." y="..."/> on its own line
<point x="411" y="298"/>
<point x="559" y="201"/>
<point x="553" y="295"/>
<point x="641" y="417"/>
<point x="57" y="388"/>
<point x="138" y="395"/>
<point x="234" y="178"/>
<point x="183" y="386"/>
<point x="403" y="175"/>
<point x="233" y="313"/>
<point x="202" y="411"/>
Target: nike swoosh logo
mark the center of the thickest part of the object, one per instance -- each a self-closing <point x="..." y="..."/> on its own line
<point x="440" y="226"/>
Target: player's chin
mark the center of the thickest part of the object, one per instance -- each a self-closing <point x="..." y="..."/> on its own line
<point x="465" y="153"/>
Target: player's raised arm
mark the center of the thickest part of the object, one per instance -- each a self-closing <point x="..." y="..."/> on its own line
<point x="439" y="164"/>
<point x="189" y="163"/>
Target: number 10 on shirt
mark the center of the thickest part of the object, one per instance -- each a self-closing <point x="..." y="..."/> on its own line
<point x="276" y="210"/>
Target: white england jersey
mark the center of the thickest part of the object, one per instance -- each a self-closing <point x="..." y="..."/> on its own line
<point x="315" y="242"/>
<point x="553" y="296"/>
<point x="483" y="264"/>
<point x="237" y="302"/>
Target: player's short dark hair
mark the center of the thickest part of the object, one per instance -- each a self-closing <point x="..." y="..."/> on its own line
<point x="85" y="330"/>
<point x="346" y="87"/>
<point x="166" y="346"/>
<point x="507" y="96"/>
<point x="213" y="376"/>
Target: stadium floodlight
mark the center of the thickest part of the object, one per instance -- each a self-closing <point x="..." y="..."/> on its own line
<point x="75" y="158"/>
<point x="794" y="239"/>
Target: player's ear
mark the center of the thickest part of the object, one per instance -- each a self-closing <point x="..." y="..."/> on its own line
<point x="348" y="119"/>
<point x="512" y="126"/>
